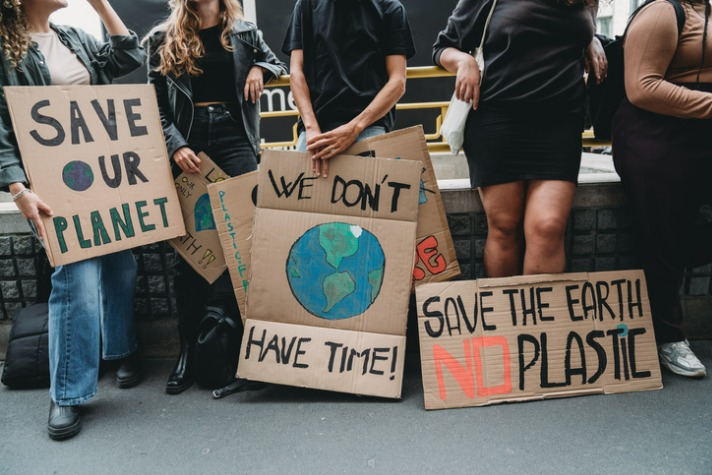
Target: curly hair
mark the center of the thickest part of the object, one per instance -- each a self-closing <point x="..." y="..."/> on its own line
<point x="14" y="31"/>
<point x="182" y="46"/>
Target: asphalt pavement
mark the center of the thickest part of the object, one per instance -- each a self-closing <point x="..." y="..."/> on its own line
<point x="289" y="430"/>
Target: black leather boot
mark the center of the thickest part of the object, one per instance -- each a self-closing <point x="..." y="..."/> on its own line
<point x="129" y="372"/>
<point x="182" y="376"/>
<point x="64" y="421"/>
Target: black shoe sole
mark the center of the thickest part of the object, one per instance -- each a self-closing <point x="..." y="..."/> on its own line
<point x="179" y="388"/>
<point x="64" y="432"/>
<point x="129" y="382"/>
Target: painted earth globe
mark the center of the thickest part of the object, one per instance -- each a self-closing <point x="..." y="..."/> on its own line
<point x="77" y="175"/>
<point x="335" y="270"/>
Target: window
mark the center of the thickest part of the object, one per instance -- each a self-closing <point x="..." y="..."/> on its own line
<point x="604" y="26"/>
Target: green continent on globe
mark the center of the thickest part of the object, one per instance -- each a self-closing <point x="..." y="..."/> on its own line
<point x="337" y="287"/>
<point x="375" y="280"/>
<point x="338" y="241"/>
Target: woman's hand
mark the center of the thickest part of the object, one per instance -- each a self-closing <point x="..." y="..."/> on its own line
<point x="187" y="160"/>
<point x="254" y="84"/>
<point x="467" y="84"/>
<point x="30" y="205"/>
<point x="596" y="62"/>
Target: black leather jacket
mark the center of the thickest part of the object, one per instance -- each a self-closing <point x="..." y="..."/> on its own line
<point x="175" y="95"/>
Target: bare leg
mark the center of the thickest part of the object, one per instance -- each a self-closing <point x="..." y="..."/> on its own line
<point x="504" y="207"/>
<point x="548" y="205"/>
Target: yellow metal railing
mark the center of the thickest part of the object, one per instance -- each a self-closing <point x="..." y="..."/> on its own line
<point x="435" y="140"/>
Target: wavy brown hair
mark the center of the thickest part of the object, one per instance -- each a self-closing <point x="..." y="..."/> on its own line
<point x="14" y="31"/>
<point x="182" y="46"/>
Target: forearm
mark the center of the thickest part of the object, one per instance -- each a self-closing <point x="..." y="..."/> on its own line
<point x="384" y="101"/>
<point x="300" y="92"/>
<point x="451" y="59"/>
<point x="111" y="21"/>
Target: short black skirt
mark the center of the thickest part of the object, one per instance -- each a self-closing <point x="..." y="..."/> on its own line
<point x="504" y="146"/>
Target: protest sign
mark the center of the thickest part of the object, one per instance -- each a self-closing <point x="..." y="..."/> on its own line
<point x="233" y="202"/>
<point x="327" y="305"/>
<point x="96" y="155"/>
<point x="535" y="337"/>
<point x="435" y="259"/>
<point x="200" y="246"/>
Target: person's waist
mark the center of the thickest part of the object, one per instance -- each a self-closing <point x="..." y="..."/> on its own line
<point x="217" y="108"/>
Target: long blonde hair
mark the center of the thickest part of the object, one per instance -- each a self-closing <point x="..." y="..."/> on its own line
<point x="14" y="31"/>
<point x="182" y="46"/>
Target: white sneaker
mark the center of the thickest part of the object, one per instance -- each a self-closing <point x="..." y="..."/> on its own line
<point x="679" y="358"/>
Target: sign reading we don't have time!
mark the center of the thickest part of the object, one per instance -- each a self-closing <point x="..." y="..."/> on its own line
<point x="96" y="155"/>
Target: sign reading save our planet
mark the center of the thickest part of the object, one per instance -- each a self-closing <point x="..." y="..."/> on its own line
<point x="327" y="306"/>
<point x="96" y="156"/>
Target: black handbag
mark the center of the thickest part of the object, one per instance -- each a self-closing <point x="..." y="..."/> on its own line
<point x="217" y="349"/>
<point x="27" y="358"/>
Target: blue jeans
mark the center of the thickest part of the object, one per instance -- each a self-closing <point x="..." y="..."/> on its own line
<point x="367" y="133"/>
<point x="90" y="307"/>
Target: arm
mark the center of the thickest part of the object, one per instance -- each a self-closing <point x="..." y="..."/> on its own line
<point x="651" y="43"/>
<point x="122" y="54"/>
<point x="266" y="68"/>
<point x="176" y="144"/>
<point x="326" y="146"/>
<point x="453" y="45"/>
<point x="595" y="55"/>
<point x="113" y="24"/>
<point x="300" y="91"/>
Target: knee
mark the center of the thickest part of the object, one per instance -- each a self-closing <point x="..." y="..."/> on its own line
<point x="548" y="229"/>
<point x="504" y="227"/>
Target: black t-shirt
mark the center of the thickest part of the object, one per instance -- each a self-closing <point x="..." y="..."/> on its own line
<point x="345" y="44"/>
<point x="217" y="83"/>
<point x="534" y="52"/>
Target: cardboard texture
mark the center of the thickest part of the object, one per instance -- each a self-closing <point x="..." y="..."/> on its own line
<point x="436" y="260"/>
<point x="335" y="264"/>
<point x="535" y="337"/>
<point x="233" y="203"/>
<point x="200" y="246"/>
<point x="96" y="155"/>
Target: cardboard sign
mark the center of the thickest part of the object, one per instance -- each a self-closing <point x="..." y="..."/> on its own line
<point x="327" y="304"/>
<point x="435" y="259"/>
<point x="535" y="337"/>
<point x="233" y="202"/>
<point x="200" y="246"/>
<point x="96" y="155"/>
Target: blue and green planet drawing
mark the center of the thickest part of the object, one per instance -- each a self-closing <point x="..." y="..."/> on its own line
<point x="335" y="270"/>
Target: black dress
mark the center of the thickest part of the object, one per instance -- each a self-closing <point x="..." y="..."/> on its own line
<point x="530" y="118"/>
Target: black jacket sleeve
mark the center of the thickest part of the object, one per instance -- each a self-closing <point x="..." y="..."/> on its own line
<point x="464" y="27"/>
<point x="174" y="139"/>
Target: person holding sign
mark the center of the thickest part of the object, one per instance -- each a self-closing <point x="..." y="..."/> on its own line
<point x="91" y="304"/>
<point x="523" y="134"/>
<point x="348" y="71"/>
<point x="209" y="67"/>
<point x="662" y="153"/>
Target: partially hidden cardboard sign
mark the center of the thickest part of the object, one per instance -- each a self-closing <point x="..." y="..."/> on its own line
<point x="96" y="155"/>
<point x="327" y="304"/>
<point x="435" y="259"/>
<point x="233" y="202"/>
<point x="535" y="337"/>
<point x="200" y="246"/>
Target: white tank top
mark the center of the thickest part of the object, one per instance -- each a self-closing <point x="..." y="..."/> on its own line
<point x="64" y="66"/>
